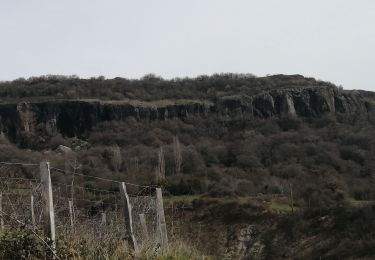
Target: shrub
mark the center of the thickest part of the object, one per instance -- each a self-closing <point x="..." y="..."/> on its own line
<point x="20" y="244"/>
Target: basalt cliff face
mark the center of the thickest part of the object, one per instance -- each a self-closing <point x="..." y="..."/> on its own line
<point x="75" y="117"/>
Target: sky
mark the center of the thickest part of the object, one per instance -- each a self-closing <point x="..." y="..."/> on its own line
<point x="332" y="40"/>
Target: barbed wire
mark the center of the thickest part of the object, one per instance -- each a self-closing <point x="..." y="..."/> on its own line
<point x="19" y="163"/>
<point x="77" y="207"/>
<point x="78" y="174"/>
<point x="86" y="188"/>
<point x="101" y="178"/>
<point x="17" y="178"/>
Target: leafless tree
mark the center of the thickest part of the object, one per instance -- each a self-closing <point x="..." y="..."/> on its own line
<point x="160" y="169"/>
<point x="177" y="154"/>
<point x="116" y="158"/>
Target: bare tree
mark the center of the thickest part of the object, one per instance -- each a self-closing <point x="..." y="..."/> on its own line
<point x="291" y="197"/>
<point x="72" y="166"/>
<point x="160" y="169"/>
<point x="136" y="163"/>
<point x="177" y="154"/>
<point x="116" y="158"/>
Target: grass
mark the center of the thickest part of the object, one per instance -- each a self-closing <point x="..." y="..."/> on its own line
<point x="240" y="200"/>
<point x="274" y="204"/>
<point x="182" y="198"/>
<point x="189" y="198"/>
<point x="279" y="207"/>
<point x="141" y="103"/>
<point x="22" y="244"/>
<point x="359" y="203"/>
<point x="180" y="251"/>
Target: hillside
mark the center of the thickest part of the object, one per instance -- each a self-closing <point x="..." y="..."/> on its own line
<point x="221" y="136"/>
<point x="254" y="133"/>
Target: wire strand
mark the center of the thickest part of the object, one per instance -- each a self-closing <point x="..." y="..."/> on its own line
<point x="81" y="187"/>
<point x="80" y="174"/>
<point x="18" y="163"/>
<point x="17" y="178"/>
<point x="103" y="179"/>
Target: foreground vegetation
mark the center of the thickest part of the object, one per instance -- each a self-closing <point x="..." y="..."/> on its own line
<point x="267" y="228"/>
<point x="260" y="227"/>
<point x="22" y="244"/>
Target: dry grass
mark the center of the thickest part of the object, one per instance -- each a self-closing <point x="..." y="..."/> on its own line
<point x="359" y="203"/>
<point x="89" y="248"/>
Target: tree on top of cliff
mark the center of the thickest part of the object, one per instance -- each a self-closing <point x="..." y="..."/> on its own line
<point x="149" y="87"/>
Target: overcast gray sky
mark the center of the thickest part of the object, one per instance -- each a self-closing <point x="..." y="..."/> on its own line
<point x="332" y="40"/>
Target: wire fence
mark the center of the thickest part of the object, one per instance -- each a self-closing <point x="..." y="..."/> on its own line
<point x="87" y="210"/>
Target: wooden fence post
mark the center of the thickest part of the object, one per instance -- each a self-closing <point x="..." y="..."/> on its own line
<point x="32" y="209"/>
<point x="1" y="209"/>
<point x="127" y="210"/>
<point x="71" y="214"/>
<point x="142" y="220"/>
<point x="48" y="212"/>
<point x="162" y="226"/>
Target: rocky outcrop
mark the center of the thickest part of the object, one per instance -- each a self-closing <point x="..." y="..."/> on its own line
<point x="244" y="243"/>
<point x="302" y="102"/>
<point x="73" y="118"/>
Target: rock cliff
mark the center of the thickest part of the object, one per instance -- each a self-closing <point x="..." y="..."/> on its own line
<point x="75" y="117"/>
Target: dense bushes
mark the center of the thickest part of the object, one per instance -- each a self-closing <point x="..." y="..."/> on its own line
<point x="335" y="159"/>
<point x="265" y="160"/>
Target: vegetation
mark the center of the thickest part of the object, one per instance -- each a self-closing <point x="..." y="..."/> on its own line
<point x="322" y="162"/>
<point x="22" y="244"/>
<point x="148" y="88"/>
<point x="297" y="180"/>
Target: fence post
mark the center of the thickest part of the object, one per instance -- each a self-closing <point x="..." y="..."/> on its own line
<point x="142" y="220"/>
<point x="32" y="209"/>
<point x="1" y="209"/>
<point x="48" y="212"/>
<point x="162" y="226"/>
<point x="128" y="217"/>
<point x="71" y="214"/>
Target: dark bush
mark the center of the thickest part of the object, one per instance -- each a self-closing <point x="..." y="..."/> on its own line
<point x="21" y="244"/>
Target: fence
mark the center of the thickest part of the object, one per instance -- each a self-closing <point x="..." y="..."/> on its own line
<point x="125" y="211"/>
